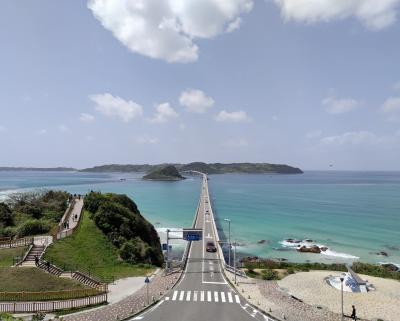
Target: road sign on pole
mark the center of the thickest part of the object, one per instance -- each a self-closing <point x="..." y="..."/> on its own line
<point x="190" y="234"/>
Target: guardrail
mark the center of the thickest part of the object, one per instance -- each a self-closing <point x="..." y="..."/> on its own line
<point x="50" y="306"/>
<point x="48" y="295"/>
<point x="219" y="247"/>
<point x="10" y="243"/>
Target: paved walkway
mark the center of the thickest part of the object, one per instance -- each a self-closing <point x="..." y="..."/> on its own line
<point x="131" y="304"/>
<point x="75" y="215"/>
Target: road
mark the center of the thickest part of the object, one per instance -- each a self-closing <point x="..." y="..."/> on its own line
<point x="202" y="293"/>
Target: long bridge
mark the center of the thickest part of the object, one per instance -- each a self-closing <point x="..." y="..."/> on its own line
<point x="203" y="293"/>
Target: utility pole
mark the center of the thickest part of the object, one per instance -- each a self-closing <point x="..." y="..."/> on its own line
<point x="341" y="290"/>
<point x="234" y="259"/>
<point x="229" y="240"/>
<point x="167" y="263"/>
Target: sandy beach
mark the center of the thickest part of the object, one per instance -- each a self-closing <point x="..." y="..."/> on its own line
<point x="311" y="287"/>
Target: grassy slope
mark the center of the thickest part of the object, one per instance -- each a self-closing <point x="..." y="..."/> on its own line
<point x="33" y="279"/>
<point x="89" y="249"/>
<point x="7" y="255"/>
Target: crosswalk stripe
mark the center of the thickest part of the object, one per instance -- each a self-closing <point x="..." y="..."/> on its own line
<point x="188" y="295"/>
<point x="209" y="296"/>
<point x="230" y="297"/>
<point x="181" y="295"/>
<point x="223" y="296"/>
<point x="216" y="296"/>
<point x="175" y="295"/>
<point x="237" y="298"/>
<point x="202" y="296"/>
<point x="194" y="296"/>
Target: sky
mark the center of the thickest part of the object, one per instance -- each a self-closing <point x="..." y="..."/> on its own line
<point x="309" y="83"/>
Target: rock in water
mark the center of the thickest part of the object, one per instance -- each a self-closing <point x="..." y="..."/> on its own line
<point x="167" y="173"/>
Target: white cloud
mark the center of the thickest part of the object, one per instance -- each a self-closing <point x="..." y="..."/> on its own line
<point x="314" y="134"/>
<point x="396" y="86"/>
<point x="42" y="131"/>
<point x="146" y="140"/>
<point x="374" y="14"/>
<point x="114" y="106"/>
<point x="63" y="128"/>
<point x="339" y="106"/>
<point x="391" y="108"/>
<point x="164" y="112"/>
<point x="196" y="101"/>
<point x="351" y="138"/>
<point x="239" y="142"/>
<point x="234" y="117"/>
<point x="86" y="118"/>
<point x="166" y="29"/>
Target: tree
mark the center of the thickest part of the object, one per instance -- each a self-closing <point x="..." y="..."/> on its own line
<point x="6" y="216"/>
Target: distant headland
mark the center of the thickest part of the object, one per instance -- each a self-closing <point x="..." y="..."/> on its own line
<point x="208" y="168"/>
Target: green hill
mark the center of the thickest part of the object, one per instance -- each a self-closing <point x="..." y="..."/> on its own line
<point x="167" y="173"/>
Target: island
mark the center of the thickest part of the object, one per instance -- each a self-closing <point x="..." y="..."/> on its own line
<point x="207" y="168"/>
<point x="166" y="173"/>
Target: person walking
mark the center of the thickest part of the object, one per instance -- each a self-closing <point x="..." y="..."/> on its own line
<point x="353" y="313"/>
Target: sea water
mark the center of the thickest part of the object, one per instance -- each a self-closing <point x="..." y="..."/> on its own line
<point x="355" y="214"/>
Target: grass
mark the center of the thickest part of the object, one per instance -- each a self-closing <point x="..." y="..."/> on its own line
<point x="7" y="255"/>
<point x="89" y="249"/>
<point x="29" y="279"/>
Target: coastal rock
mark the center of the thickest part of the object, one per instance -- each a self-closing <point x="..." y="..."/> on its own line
<point x="383" y="253"/>
<point x="311" y="249"/>
<point x="262" y="242"/>
<point x="323" y="248"/>
<point x="293" y="241"/>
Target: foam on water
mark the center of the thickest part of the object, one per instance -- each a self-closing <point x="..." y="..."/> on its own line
<point x="307" y="243"/>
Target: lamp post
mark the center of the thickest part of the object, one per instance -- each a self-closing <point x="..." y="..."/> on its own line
<point x="341" y="290"/>
<point x="229" y="240"/>
<point x="234" y="259"/>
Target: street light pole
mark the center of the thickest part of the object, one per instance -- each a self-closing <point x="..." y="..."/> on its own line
<point x="229" y="240"/>
<point x="341" y="290"/>
<point x="166" y="265"/>
<point x="234" y="259"/>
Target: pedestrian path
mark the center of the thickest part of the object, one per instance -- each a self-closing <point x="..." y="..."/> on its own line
<point x="204" y="296"/>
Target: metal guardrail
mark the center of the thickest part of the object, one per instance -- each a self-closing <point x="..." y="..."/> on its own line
<point x="10" y="243"/>
<point x="50" y="306"/>
<point x="48" y="295"/>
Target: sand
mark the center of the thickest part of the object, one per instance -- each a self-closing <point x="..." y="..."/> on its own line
<point x="311" y="287"/>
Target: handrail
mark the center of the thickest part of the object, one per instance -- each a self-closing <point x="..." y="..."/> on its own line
<point x="48" y="295"/>
<point x="16" y="243"/>
<point x="25" y="255"/>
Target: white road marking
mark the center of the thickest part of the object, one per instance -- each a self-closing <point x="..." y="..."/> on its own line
<point x="138" y="318"/>
<point x="215" y="296"/>
<point x="188" y="295"/>
<point x="211" y="267"/>
<point x="181" y="295"/>
<point x="209" y="296"/>
<point x="230" y="297"/>
<point x="166" y="298"/>
<point x="237" y="298"/>
<point x="202" y="296"/>
<point x="223" y="297"/>
<point x="194" y="296"/>
<point x="175" y="295"/>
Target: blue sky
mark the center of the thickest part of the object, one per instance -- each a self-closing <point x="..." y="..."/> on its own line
<point x="302" y="82"/>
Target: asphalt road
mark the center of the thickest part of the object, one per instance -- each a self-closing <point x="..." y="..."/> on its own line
<point x="203" y="293"/>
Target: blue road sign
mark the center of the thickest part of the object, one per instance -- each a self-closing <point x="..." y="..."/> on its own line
<point x="192" y="237"/>
<point x="147" y="280"/>
<point x="164" y="246"/>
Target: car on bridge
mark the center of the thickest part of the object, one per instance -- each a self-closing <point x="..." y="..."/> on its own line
<point x="210" y="247"/>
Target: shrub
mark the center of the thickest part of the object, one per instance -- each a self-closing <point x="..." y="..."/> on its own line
<point x="33" y="210"/>
<point x="290" y="270"/>
<point x="8" y="231"/>
<point x="33" y="227"/>
<point x="134" y="251"/>
<point x="269" y="274"/>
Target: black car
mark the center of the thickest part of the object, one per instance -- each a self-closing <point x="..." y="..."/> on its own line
<point x="210" y="247"/>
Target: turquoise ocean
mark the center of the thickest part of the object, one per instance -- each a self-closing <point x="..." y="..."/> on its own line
<point x="355" y="214"/>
